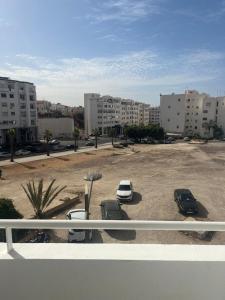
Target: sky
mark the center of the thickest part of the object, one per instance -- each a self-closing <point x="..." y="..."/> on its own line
<point x="135" y="49"/>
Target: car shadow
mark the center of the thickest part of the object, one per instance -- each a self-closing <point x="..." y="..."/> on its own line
<point x="123" y="235"/>
<point x="96" y="237"/>
<point x="202" y="211"/>
<point x="137" y="197"/>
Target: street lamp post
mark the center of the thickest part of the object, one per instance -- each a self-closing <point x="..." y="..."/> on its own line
<point x="92" y="176"/>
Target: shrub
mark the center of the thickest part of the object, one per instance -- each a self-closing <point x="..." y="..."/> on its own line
<point x="7" y="210"/>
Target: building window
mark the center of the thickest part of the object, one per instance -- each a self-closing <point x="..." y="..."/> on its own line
<point x="3" y="95"/>
<point x="188" y="106"/>
<point x="169" y="106"/>
<point x="205" y="111"/>
<point x="197" y="107"/>
<point x="13" y="113"/>
<point x="32" y="106"/>
<point x="188" y="100"/>
<point x="178" y="113"/>
<point x="196" y="127"/>
<point x="4" y="104"/>
<point x="168" y="120"/>
<point x="22" y="106"/>
<point x="11" y="96"/>
<point x="196" y="114"/>
<point x="22" y="96"/>
<point x="12" y="105"/>
<point x="23" y="114"/>
<point x="31" y="97"/>
<point x="204" y="119"/>
<point x="177" y="126"/>
<point x="32" y="122"/>
<point x="186" y="127"/>
<point x="179" y="99"/>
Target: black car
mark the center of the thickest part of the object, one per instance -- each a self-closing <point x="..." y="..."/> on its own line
<point x="70" y="146"/>
<point x="111" y="210"/>
<point x="90" y="144"/>
<point x="186" y="202"/>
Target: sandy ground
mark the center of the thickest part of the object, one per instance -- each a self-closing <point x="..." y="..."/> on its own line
<point x="155" y="170"/>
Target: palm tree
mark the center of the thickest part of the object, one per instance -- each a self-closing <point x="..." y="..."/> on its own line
<point x="12" y="134"/>
<point x="96" y="134"/>
<point x="47" y="137"/>
<point x="112" y="134"/>
<point x="39" y="198"/>
<point x="76" y="134"/>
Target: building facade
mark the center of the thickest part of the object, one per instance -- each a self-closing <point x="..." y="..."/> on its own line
<point x="105" y="112"/>
<point x="18" y="110"/>
<point x="154" y="115"/>
<point x="192" y="113"/>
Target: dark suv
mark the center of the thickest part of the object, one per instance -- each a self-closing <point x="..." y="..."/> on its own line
<point x="186" y="202"/>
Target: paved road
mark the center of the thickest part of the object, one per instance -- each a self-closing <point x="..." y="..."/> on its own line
<point x="52" y="155"/>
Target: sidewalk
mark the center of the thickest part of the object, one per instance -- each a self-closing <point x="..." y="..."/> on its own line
<point x="7" y="162"/>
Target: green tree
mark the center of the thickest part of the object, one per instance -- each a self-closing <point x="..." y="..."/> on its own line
<point x="12" y="135"/>
<point x="76" y="134"/>
<point x="47" y="137"/>
<point x="39" y="198"/>
<point x="96" y="135"/>
<point x="112" y="134"/>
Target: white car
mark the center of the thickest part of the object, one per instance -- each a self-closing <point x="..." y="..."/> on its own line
<point x="125" y="191"/>
<point x="22" y="152"/>
<point x="77" y="235"/>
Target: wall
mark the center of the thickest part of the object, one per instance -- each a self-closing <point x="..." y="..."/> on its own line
<point x="60" y="127"/>
<point x="158" y="272"/>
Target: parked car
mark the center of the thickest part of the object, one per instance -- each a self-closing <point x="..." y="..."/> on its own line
<point x="186" y="202"/>
<point x="90" y="143"/>
<point x="22" y="152"/>
<point x="125" y="191"/>
<point x="70" y="146"/>
<point x="4" y="154"/>
<point x="57" y="147"/>
<point x="186" y="139"/>
<point x="111" y="210"/>
<point x="124" y="144"/>
<point x="54" y="142"/>
<point x="118" y="145"/>
<point x="78" y="235"/>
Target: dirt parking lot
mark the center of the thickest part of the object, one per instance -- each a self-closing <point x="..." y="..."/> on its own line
<point x="155" y="170"/>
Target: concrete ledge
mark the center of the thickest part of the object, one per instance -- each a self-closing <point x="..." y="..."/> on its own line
<point x="134" y="252"/>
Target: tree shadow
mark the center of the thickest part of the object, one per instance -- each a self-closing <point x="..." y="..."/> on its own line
<point x="202" y="211"/>
<point x="25" y="166"/>
<point x="62" y="158"/>
<point x="123" y="235"/>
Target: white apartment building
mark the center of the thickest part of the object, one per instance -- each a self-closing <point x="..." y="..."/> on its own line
<point x="154" y="115"/>
<point x="192" y="113"/>
<point x="18" y="110"/>
<point x="105" y="112"/>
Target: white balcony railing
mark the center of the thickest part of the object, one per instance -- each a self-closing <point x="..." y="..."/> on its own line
<point x="8" y="225"/>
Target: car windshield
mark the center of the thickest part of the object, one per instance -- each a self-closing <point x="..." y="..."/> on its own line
<point x="124" y="187"/>
<point x="114" y="215"/>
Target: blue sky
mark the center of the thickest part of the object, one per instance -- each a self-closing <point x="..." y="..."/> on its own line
<point x="129" y="48"/>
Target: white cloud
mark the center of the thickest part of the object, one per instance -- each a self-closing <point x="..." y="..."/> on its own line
<point x="124" y="10"/>
<point x="137" y="74"/>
